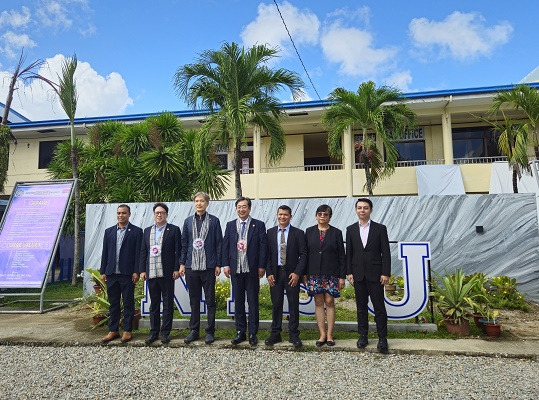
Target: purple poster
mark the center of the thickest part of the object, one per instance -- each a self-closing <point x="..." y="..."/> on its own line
<point x="31" y="226"/>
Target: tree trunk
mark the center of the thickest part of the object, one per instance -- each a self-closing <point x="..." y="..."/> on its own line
<point x="76" y="249"/>
<point x="515" y="180"/>
<point x="237" y="168"/>
<point x="366" y="165"/>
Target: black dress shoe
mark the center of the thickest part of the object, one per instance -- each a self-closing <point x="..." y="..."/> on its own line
<point x="240" y="337"/>
<point x="331" y="343"/>
<point x="362" y="342"/>
<point x="273" y="339"/>
<point x="253" y="340"/>
<point x="296" y="342"/>
<point x="151" y="339"/>
<point x="320" y="343"/>
<point x="165" y="339"/>
<point x="383" y="346"/>
<point x="210" y="338"/>
<point x="193" y="335"/>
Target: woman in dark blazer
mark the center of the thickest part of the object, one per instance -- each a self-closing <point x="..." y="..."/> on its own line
<point x="326" y="271"/>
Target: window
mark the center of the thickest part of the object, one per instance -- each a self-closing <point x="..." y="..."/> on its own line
<point x="411" y="151"/>
<point x="475" y="142"/>
<point x="46" y="152"/>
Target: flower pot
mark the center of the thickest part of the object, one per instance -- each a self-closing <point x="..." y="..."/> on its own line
<point x="483" y="322"/>
<point x="136" y="319"/>
<point x="476" y="318"/>
<point x="98" y="318"/>
<point x="462" y="329"/>
<point x="493" y="330"/>
<point x="390" y="288"/>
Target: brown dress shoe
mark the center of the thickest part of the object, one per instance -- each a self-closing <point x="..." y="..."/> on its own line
<point x="126" y="337"/>
<point x="110" y="336"/>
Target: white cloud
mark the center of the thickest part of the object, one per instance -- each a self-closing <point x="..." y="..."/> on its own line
<point x="98" y="95"/>
<point x="14" y="18"/>
<point x="53" y="14"/>
<point x="268" y="27"/>
<point x="459" y="35"/>
<point x="362" y="14"/>
<point x="400" y="80"/>
<point x="11" y="43"/>
<point x="354" y="50"/>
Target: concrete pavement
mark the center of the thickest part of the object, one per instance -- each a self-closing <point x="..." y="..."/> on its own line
<point x="71" y="327"/>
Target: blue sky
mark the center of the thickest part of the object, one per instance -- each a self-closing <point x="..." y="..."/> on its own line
<point x="129" y="50"/>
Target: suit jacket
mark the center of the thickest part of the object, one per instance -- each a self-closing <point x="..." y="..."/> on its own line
<point x="129" y="251"/>
<point x="372" y="261"/>
<point x="296" y="251"/>
<point x="257" y="246"/>
<point x="212" y="244"/>
<point x="328" y="259"/>
<point x="171" y="247"/>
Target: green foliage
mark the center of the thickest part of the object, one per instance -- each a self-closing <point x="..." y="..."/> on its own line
<point x="503" y="293"/>
<point x="239" y="89"/>
<point x="154" y="160"/>
<point x="456" y="299"/>
<point x="348" y="292"/>
<point x="365" y="110"/>
<point x="5" y="131"/>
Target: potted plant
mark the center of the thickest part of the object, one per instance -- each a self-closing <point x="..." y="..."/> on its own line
<point x="492" y="327"/>
<point x="98" y="302"/>
<point x="139" y="295"/>
<point x="99" y="284"/>
<point x="479" y="313"/>
<point x="390" y="285"/>
<point x="455" y="300"/>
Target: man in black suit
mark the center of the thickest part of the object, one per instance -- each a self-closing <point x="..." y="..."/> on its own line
<point x="119" y="269"/>
<point x="200" y="262"/>
<point x="160" y="264"/>
<point x="368" y="264"/>
<point x="244" y="260"/>
<point x="287" y="257"/>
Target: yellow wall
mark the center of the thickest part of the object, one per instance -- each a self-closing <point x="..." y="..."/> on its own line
<point x="293" y="155"/>
<point x="476" y="177"/>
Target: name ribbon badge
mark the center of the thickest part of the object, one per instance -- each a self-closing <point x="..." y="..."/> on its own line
<point x="155" y="250"/>
<point x="241" y="245"/>
<point x="198" y="244"/>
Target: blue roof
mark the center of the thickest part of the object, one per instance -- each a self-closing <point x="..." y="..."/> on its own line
<point x="13" y="112"/>
<point x="285" y="106"/>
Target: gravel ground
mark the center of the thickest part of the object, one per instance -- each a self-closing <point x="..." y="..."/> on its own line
<point x="206" y="372"/>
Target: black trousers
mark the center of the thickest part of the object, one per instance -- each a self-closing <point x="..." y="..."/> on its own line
<point x="250" y="284"/>
<point x="196" y="282"/>
<point x="161" y="288"/>
<point x="119" y="286"/>
<point x="375" y="290"/>
<point x="277" y="299"/>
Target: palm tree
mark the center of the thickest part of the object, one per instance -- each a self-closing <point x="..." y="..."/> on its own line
<point x="369" y="110"/>
<point x="513" y="142"/>
<point x="67" y="94"/>
<point x="238" y="89"/>
<point x="24" y="74"/>
<point x="526" y="98"/>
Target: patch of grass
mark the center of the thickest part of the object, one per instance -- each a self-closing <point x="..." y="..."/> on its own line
<point x="62" y="290"/>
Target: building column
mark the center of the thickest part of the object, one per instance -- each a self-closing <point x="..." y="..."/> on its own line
<point x="348" y="160"/>
<point x="447" y="137"/>
<point x="257" y="149"/>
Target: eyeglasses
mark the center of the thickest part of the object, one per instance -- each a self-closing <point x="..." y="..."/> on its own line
<point x="322" y="214"/>
<point x="160" y="213"/>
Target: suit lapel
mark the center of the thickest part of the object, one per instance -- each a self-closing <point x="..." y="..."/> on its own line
<point x="372" y="232"/>
<point x="165" y="235"/>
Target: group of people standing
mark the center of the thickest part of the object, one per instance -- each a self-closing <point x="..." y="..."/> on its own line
<point x="247" y="251"/>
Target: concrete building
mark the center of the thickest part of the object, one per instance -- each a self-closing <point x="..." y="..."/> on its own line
<point x="449" y="132"/>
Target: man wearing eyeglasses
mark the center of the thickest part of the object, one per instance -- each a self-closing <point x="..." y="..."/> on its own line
<point x="244" y="260"/>
<point x="160" y="265"/>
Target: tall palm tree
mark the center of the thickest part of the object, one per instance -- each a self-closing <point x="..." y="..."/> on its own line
<point x="67" y="94"/>
<point x="21" y="74"/>
<point x="513" y="142"/>
<point x="379" y="110"/>
<point x="526" y="98"/>
<point x="239" y="89"/>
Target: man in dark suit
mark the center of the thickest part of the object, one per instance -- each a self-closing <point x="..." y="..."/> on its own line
<point x="244" y="260"/>
<point x="200" y="262"/>
<point x="368" y="264"/>
<point x="287" y="257"/>
<point x="119" y="269"/>
<point x="160" y="264"/>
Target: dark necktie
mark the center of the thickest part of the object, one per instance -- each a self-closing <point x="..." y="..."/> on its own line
<point x="282" y="257"/>
<point x="242" y="229"/>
